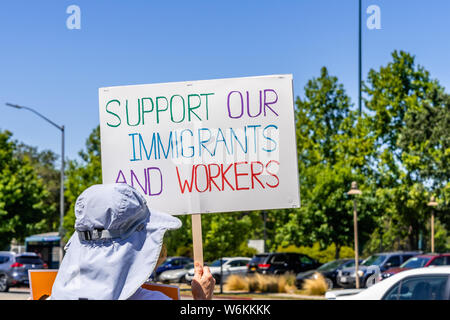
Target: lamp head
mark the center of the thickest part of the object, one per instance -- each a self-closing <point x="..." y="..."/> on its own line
<point x="354" y="189"/>
<point x="432" y="202"/>
<point x="14" y="105"/>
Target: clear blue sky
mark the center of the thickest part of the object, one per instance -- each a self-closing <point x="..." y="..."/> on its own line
<point x="58" y="71"/>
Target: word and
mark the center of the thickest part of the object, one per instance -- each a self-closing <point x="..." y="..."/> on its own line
<point x="152" y="177"/>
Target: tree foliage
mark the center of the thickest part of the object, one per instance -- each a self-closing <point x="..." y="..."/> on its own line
<point x="23" y="209"/>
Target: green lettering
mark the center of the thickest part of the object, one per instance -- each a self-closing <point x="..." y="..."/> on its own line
<point x="110" y="112"/>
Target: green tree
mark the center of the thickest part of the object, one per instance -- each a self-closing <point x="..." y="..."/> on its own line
<point x="44" y="163"/>
<point x="80" y="175"/>
<point x="22" y="195"/>
<point x="334" y="148"/>
<point x="409" y="118"/>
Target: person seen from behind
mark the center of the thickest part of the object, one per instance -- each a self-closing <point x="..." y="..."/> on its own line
<point x="116" y="246"/>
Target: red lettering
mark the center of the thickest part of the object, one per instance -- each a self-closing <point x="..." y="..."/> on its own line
<point x="186" y="183"/>
<point x="206" y="178"/>
<point x="255" y="174"/>
<point x="211" y="177"/>
<point x="236" y="175"/>
<point x="224" y="179"/>
<point x="272" y="174"/>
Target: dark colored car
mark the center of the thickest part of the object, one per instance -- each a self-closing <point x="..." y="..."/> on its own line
<point x="14" y="268"/>
<point x="372" y="267"/>
<point x="173" y="263"/>
<point x="329" y="271"/>
<point x="419" y="261"/>
<point x="281" y="262"/>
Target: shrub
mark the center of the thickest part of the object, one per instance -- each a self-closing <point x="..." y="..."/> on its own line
<point x="236" y="283"/>
<point x="316" y="286"/>
<point x="261" y="283"/>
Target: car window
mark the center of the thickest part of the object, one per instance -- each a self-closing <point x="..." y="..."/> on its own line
<point x="305" y="260"/>
<point x="235" y="263"/>
<point x="406" y="257"/>
<point x="176" y="262"/>
<point x="259" y="259"/>
<point x="439" y="261"/>
<point x="415" y="262"/>
<point x="28" y="260"/>
<point x="419" y="288"/>
<point x="244" y="263"/>
<point x="330" y="265"/>
<point x="279" y="258"/>
<point x="4" y="259"/>
<point x="218" y="262"/>
<point x="374" y="260"/>
<point x="394" y="261"/>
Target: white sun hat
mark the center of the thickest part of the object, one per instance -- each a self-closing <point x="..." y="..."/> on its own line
<point x="115" y="247"/>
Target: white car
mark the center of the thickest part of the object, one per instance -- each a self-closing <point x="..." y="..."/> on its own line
<point x="230" y="265"/>
<point x="431" y="283"/>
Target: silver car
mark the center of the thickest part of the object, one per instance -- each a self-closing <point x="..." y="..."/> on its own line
<point x="177" y="276"/>
<point x="14" y="268"/>
<point x="230" y="265"/>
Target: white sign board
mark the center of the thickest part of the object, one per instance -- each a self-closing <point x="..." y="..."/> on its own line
<point x="203" y="146"/>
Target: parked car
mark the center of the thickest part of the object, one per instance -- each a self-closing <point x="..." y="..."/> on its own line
<point x="172" y="263"/>
<point x="230" y="265"/>
<point x="372" y="267"/>
<point x="281" y="262"/>
<point x="329" y="270"/>
<point x="177" y="275"/>
<point x="414" y="284"/>
<point x="14" y="268"/>
<point x="419" y="261"/>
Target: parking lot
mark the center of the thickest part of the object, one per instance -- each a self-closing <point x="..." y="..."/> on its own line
<point x="15" y="294"/>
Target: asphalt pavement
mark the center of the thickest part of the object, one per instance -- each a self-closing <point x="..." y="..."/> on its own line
<point x="15" y="294"/>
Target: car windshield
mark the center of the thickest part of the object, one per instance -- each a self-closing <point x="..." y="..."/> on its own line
<point x="330" y="265"/>
<point x="415" y="262"/>
<point x="218" y="262"/>
<point x="259" y="259"/>
<point x="374" y="260"/>
<point x="350" y="264"/>
<point x="167" y="262"/>
<point x="189" y="266"/>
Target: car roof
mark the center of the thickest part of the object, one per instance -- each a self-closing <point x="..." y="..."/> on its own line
<point x="383" y="286"/>
<point x="26" y="254"/>
<point x="398" y="252"/>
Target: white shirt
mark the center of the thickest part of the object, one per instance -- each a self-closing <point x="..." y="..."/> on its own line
<point x="144" y="294"/>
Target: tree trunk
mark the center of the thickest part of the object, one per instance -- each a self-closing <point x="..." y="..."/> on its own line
<point x="337" y="252"/>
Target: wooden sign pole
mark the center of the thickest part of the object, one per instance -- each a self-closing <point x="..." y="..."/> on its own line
<point x="197" y="241"/>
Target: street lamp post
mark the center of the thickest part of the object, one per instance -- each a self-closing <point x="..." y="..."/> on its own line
<point x="353" y="192"/>
<point x="359" y="61"/>
<point x="61" y="212"/>
<point x="432" y="204"/>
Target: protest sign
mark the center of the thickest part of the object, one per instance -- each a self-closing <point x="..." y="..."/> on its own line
<point x="203" y="146"/>
<point x="41" y="284"/>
